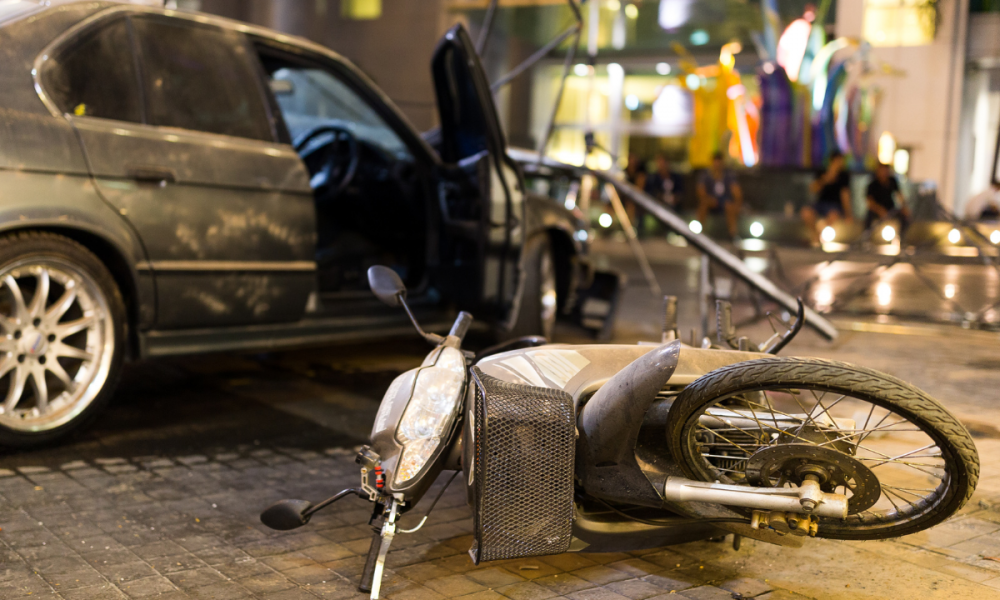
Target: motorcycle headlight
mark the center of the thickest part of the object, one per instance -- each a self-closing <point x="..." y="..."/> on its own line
<point x="430" y="413"/>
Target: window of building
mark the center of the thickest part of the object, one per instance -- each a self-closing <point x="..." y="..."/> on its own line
<point x="200" y="78"/>
<point x="891" y="23"/>
<point x="361" y="9"/>
<point x="95" y="76"/>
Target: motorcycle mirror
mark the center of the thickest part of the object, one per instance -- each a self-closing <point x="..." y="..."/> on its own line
<point x="286" y="514"/>
<point x="386" y="285"/>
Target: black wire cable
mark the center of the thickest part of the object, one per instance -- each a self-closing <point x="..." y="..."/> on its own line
<point x="433" y="504"/>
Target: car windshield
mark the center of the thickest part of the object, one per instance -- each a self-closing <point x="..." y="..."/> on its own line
<point x="312" y="97"/>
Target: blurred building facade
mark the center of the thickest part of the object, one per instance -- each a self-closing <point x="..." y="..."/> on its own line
<point x="933" y="70"/>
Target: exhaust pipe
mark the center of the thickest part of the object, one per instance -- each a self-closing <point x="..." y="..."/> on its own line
<point x="805" y="499"/>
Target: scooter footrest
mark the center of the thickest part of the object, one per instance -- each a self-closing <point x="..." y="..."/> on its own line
<point x="523" y="441"/>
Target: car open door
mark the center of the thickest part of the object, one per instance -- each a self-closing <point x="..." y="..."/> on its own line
<point x="482" y="194"/>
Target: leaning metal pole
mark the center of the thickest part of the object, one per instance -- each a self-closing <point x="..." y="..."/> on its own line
<point x="633" y="239"/>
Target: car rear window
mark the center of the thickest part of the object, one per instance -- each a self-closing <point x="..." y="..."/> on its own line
<point x="200" y="77"/>
<point x="95" y="75"/>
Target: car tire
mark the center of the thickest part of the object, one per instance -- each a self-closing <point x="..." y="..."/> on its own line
<point x="539" y="300"/>
<point x="61" y="353"/>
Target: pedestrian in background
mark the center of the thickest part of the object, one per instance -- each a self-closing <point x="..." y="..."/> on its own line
<point x="984" y="206"/>
<point x="635" y="173"/>
<point x="663" y="184"/>
<point x="885" y="201"/>
<point x="720" y="194"/>
<point x="833" y="198"/>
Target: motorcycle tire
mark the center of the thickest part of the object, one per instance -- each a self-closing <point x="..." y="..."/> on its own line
<point x="790" y="375"/>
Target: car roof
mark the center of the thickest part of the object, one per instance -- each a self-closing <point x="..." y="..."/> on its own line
<point x="13" y="10"/>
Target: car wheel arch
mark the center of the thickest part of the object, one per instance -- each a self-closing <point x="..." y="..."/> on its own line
<point x="564" y="256"/>
<point x="116" y="262"/>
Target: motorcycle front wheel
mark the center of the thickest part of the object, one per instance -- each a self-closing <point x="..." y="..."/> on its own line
<point x="904" y="462"/>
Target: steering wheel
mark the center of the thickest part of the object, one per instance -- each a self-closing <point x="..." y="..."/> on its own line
<point x="340" y="157"/>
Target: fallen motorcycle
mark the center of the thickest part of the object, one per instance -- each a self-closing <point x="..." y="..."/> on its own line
<point x="604" y="448"/>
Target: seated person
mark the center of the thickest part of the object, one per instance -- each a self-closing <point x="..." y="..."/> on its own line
<point x="833" y="198"/>
<point x="719" y="193"/>
<point x="663" y="184"/>
<point x="984" y="206"/>
<point x="885" y="201"/>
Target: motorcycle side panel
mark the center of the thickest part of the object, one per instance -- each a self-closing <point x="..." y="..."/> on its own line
<point x="581" y="370"/>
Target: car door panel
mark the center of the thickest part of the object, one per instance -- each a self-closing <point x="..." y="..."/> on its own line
<point x="470" y="128"/>
<point x="228" y="224"/>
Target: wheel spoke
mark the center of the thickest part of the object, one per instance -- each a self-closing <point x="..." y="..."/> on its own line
<point x="57" y="310"/>
<point x="41" y="388"/>
<point x="904" y="455"/>
<point x="748" y="453"/>
<point x="61" y="349"/>
<point x="16" y="389"/>
<point x="64" y="330"/>
<point x="40" y="300"/>
<point x="20" y="310"/>
<point x="60" y="373"/>
<point x="8" y="363"/>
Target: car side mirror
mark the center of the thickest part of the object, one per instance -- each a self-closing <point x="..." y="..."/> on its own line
<point x="386" y="285"/>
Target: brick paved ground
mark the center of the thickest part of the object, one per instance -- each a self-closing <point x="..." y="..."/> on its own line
<point x="161" y="497"/>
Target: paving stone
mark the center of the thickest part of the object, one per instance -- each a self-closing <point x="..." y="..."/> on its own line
<point x="746" y="587"/>
<point x="122" y="573"/>
<point x="148" y="586"/>
<point x="526" y="590"/>
<point x="664" y="581"/>
<point x="267" y="583"/>
<point x="782" y="595"/>
<point x="74" y="579"/>
<point x="596" y="594"/>
<point x="195" y="578"/>
<point x="454" y="585"/>
<point x="98" y="592"/>
<point x="483" y="595"/>
<point x="563" y="583"/>
<point x="493" y="577"/>
<point x="707" y="592"/>
<point x="226" y="590"/>
<point x="601" y="575"/>
<point x="32" y="470"/>
<point x="414" y="591"/>
<point x="635" y="589"/>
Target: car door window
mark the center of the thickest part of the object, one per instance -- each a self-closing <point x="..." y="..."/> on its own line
<point x="312" y="97"/>
<point x="201" y="78"/>
<point x="95" y="75"/>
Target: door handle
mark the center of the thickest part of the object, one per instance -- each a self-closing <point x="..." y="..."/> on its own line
<point x="157" y="175"/>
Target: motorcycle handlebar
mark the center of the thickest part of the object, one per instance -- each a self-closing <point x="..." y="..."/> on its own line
<point x="461" y="326"/>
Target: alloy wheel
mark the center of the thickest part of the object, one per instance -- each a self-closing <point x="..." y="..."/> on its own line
<point x="56" y="343"/>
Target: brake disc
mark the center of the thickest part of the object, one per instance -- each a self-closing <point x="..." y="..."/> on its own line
<point x="774" y="465"/>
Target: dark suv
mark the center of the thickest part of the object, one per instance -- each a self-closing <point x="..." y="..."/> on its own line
<point x="175" y="183"/>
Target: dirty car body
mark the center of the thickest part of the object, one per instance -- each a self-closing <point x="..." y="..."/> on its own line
<point x="183" y="183"/>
